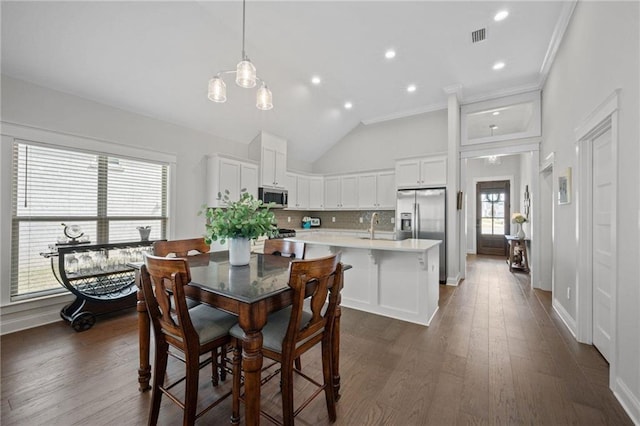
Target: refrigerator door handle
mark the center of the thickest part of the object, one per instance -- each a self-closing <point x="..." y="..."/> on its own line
<point x="414" y="225"/>
<point x="418" y="219"/>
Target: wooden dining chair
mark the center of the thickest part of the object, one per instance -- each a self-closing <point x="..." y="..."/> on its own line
<point x="193" y="332"/>
<point x="180" y="248"/>
<point x="279" y="247"/>
<point x="186" y="248"/>
<point x="293" y="249"/>
<point x="292" y="331"/>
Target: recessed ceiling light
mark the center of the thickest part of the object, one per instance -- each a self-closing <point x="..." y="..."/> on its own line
<point x="411" y="88"/>
<point x="498" y="65"/>
<point x="500" y="15"/>
<point x="315" y="80"/>
<point x="348" y="105"/>
<point x="496" y="113"/>
<point x="390" y="54"/>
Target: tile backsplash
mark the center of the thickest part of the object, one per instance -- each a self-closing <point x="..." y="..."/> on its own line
<point x="344" y="219"/>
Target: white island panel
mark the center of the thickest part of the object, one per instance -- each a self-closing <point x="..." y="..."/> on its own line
<point x="398" y="279"/>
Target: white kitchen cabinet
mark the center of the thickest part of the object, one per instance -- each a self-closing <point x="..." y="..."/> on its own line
<point x="386" y="190"/>
<point x="271" y="151"/>
<point x="377" y="190"/>
<point x="341" y="192"/>
<point x="229" y="174"/>
<point x="422" y="172"/>
<point x="316" y="193"/>
<point x="298" y="190"/>
<point x="332" y="192"/>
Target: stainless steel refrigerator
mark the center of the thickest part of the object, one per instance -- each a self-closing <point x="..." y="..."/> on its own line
<point x="422" y="213"/>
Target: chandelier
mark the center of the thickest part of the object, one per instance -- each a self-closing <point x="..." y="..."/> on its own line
<point x="245" y="77"/>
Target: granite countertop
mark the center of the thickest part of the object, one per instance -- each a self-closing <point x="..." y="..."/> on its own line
<point x="408" y="245"/>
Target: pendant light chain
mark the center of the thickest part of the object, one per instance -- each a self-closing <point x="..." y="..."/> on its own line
<point x="244" y="3"/>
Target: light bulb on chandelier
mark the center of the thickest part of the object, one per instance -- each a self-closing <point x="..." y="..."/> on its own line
<point x="246" y="77"/>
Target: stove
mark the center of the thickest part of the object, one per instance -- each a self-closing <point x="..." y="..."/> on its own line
<point x="284" y="233"/>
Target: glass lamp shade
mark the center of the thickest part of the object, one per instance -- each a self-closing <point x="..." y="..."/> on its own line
<point x="217" y="90"/>
<point x="246" y="74"/>
<point x="264" y="98"/>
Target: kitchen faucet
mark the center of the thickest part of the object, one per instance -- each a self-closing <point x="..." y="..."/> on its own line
<point x="374" y="220"/>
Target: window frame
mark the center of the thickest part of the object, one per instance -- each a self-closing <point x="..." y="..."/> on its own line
<point x="17" y="133"/>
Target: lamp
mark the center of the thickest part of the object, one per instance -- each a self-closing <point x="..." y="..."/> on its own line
<point x="245" y="77"/>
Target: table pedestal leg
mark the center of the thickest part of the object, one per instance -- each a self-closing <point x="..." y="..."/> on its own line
<point x="144" y="372"/>
<point x="252" y="367"/>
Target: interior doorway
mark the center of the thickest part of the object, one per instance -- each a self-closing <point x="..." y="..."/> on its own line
<point x="492" y="217"/>
<point x="547" y="202"/>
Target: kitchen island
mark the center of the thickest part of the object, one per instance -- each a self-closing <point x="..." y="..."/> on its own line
<point x="397" y="279"/>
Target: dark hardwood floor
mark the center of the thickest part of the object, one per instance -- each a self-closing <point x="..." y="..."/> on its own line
<point x="495" y="353"/>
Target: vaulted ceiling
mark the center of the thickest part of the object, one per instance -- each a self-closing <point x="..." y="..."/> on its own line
<point x="155" y="59"/>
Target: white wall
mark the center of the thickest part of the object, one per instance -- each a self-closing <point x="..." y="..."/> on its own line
<point x="34" y="106"/>
<point x="479" y="170"/>
<point x="600" y="53"/>
<point x="378" y="145"/>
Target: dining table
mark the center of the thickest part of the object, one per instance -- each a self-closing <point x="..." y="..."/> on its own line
<point x="251" y="293"/>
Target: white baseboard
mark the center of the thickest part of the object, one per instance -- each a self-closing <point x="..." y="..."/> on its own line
<point x="453" y="281"/>
<point x="628" y="400"/>
<point x="568" y="321"/>
<point x="30" y="314"/>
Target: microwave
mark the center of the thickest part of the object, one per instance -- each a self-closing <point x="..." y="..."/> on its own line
<point x="271" y="195"/>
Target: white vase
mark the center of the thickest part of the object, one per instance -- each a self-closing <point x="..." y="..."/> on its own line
<point x="521" y="234"/>
<point x="239" y="251"/>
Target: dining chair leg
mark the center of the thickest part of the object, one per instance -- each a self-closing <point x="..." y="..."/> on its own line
<point x="223" y="363"/>
<point x="327" y="373"/>
<point x="298" y="364"/>
<point x="286" y="385"/>
<point x="214" y="367"/>
<point x="160" y="368"/>
<point x="191" y="389"/>
<point x="235" y="405"/>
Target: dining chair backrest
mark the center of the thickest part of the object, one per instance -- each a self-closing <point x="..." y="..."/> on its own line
<point x="163" y="280"/>
<point x="321" y="277"/>
<point x="280" y="247"/>
<point x="180" y="248"/>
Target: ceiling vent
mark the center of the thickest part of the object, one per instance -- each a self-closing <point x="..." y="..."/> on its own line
<point x="479" y="35"/>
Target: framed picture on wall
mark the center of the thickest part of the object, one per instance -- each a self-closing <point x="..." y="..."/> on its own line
<point x="564" y="187"/>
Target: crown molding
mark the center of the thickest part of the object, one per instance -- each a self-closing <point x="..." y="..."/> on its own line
<point x="556" y="39"/>
<point x="501" y="93"/>
<point x="403" y="114"/>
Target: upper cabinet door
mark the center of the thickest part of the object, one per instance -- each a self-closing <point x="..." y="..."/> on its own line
<point x="367" y="191"/>
<point x="349" y="192"/>
<point x="249" y="178"/>
<point x="332" y="192"/>
<point x="316" y="193"/>
<point x="408" y="173"/>
<point x="280" y="169"/>
<point x="434" y="171"/>
<point x="303" y="192"/>
<point x="386" y="190"/>
<point x="292" y="189"/>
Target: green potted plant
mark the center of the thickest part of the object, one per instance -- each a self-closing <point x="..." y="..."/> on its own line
<point x="239" y="222"/>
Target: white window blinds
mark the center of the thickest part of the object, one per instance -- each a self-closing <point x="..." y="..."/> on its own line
<point x="106" y="196"/>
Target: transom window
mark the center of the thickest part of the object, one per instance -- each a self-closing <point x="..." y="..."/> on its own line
<point x="106" y="196"/>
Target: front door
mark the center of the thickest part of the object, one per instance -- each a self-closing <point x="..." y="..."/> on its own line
<point x="492" y="217"/>
<point x="603" y="262"/>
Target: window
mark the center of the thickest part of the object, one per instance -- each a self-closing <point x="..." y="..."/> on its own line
<point x="106" y="196"/>
<point x="493" y="213"/>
